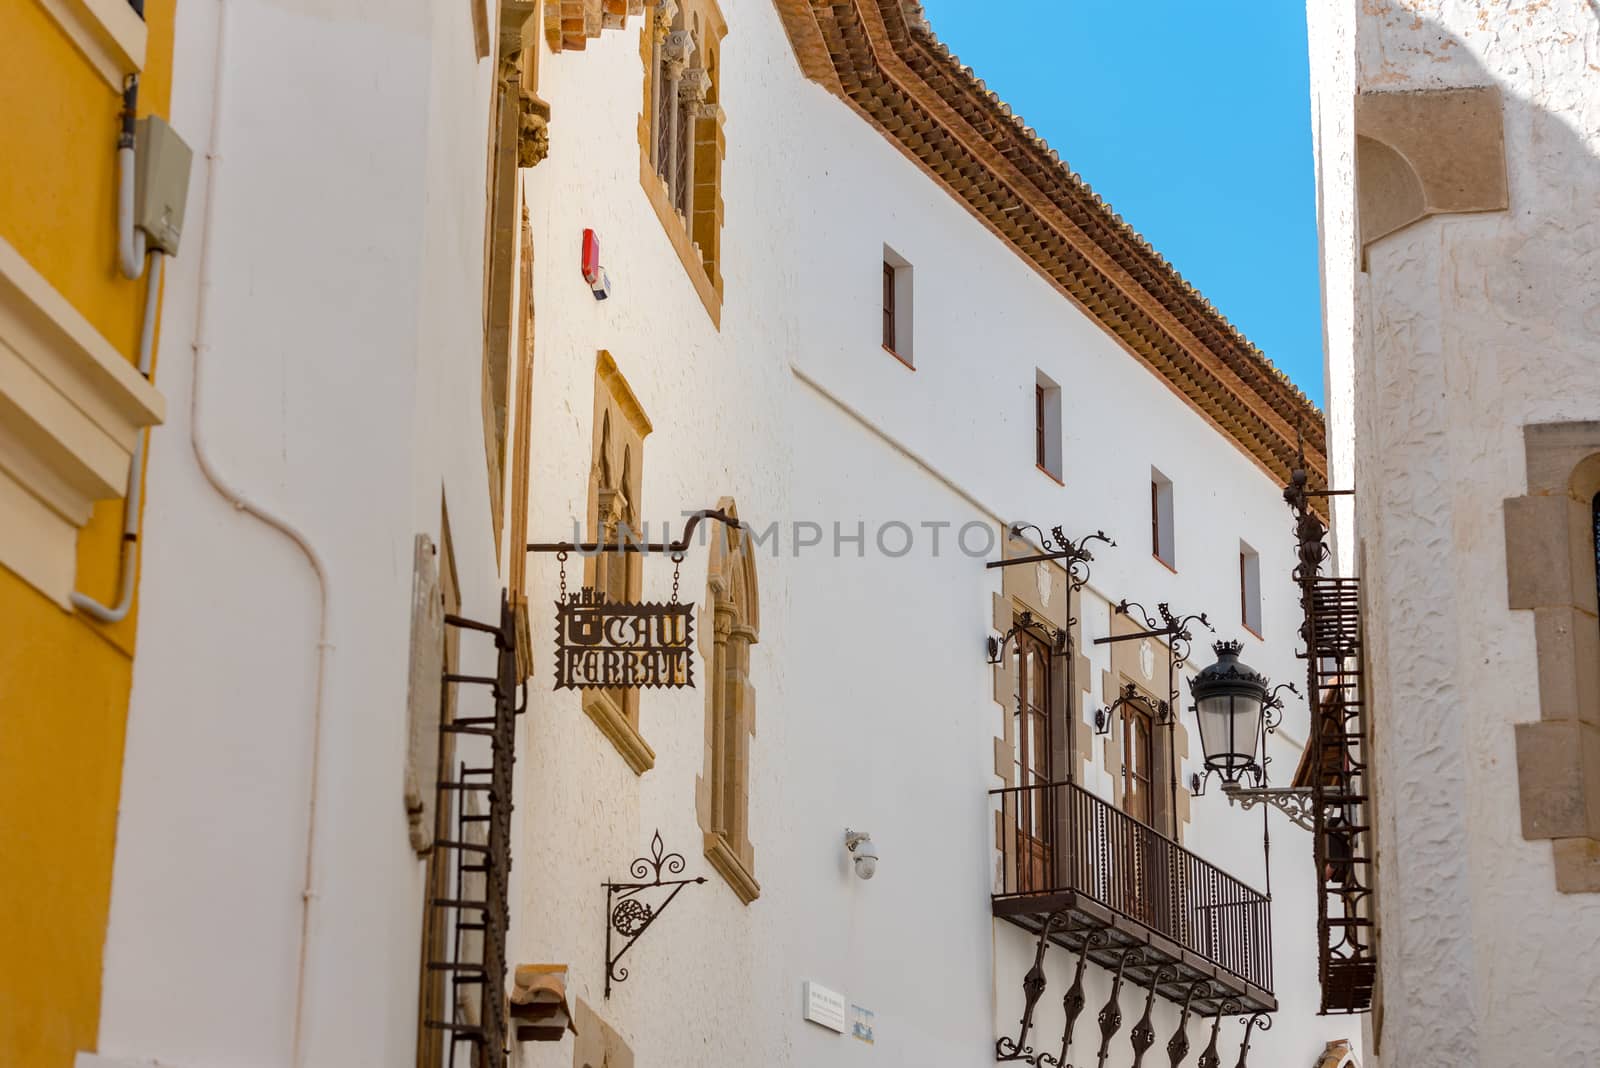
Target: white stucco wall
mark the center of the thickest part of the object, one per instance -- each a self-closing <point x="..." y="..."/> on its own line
<point x="874" y="706"/>
<point x="339" y="265"/>
<point x="1461" y="330"/>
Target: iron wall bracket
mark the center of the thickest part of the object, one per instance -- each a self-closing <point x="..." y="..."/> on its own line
<point x="628" y="914"/>
<point x="1298" y="803"/>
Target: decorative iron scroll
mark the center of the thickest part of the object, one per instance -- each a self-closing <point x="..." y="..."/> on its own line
<point x="1111" y="1013"/>
<point x="1178" y="1044"/>
<point x="1143" y="1035"/>
<point x="1073" y="1001"/>
<point x="628" y="912"/>
<point x="602" y="644"/>
<point x="1007" y="1048"/>
<point x="1210" y="1057"/>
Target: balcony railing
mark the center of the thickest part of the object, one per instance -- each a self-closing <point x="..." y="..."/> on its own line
<point x="1061" y="843"/>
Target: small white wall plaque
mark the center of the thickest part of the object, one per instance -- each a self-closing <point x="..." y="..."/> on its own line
<point x="825" y="1007"/>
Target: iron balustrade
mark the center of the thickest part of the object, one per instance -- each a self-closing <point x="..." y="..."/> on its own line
<point x="1059" y="838"/>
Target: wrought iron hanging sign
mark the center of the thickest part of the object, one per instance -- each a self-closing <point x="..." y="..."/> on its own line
<point x="602" y="644"/>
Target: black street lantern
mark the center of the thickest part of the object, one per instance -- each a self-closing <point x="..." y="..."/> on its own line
<point x="1229" y="699"/>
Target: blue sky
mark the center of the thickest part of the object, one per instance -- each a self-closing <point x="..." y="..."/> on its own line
<point x="1193" y="121"/>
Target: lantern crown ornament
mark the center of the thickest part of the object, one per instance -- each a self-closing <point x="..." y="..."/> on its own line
<point x="1229" y="701"/>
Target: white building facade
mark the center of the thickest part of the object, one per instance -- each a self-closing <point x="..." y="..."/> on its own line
<point x="848" y="300"/>
<point x="874" y="486"/>
<point x="1458" y="188"/>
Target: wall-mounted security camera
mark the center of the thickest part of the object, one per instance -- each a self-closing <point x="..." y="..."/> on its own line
<point x="862" y="853"/>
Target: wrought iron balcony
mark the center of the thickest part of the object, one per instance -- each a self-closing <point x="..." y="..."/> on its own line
<point x="1069" y="854"/>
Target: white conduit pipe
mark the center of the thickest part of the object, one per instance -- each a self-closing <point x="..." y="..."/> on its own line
<point x="240" y="501"/>
<point x="130" y="239"/>
<point x="130" y="508"/>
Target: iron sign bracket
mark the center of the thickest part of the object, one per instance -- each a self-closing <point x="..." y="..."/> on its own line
<point x="628" y="916"/>
<point x="627" y="545"/>
<point x="1296" y="802"/>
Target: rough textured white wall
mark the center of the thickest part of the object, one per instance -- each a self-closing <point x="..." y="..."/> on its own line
<point x="874" y="706"/>
<point x="341" y="349"/>
<point x="1465" y="329"/>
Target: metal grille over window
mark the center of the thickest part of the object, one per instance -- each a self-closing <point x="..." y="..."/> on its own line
<point x="468" y="910"/>
<point x="1335" y="763"/>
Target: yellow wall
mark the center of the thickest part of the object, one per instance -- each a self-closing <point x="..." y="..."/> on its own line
<point x="64" y="680"/>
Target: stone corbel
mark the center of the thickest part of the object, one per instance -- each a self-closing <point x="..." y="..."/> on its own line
<point x="1431" y="152"/>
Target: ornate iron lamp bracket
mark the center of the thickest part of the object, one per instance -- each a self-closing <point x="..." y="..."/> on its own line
<point x="1298" y="803"/>
<point x="628" y="916"/>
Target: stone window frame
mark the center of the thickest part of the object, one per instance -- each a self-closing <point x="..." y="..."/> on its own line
<point x="616" y="475"/>
<point x="518" y="137"/>
<point x="1550" y="570"/>
<point x="681" y="49"/>
<point x="722" y="792"/>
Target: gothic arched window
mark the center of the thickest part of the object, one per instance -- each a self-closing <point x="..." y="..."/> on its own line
<point x="733" y="611"/>
<point x="681" y="138"/>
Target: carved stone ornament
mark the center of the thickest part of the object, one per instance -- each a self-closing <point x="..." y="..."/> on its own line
<point x="533" y="131"/>
<point x="693" y="86"/>
<point x="675" y="53"/>
<point x="666" y="11"/>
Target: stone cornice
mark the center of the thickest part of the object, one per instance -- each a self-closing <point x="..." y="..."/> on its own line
<point x="881" y="58"/>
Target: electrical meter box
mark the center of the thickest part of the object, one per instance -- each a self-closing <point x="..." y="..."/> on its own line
<point x="161" y="183"/>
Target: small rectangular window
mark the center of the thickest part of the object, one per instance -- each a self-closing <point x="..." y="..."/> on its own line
<point x="1161" y="525"/>
<point x="1250" y="588"/>
<point x="1047" y="425"/>
<point x="888" y="306"/>
<point x="897" y="305"/>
